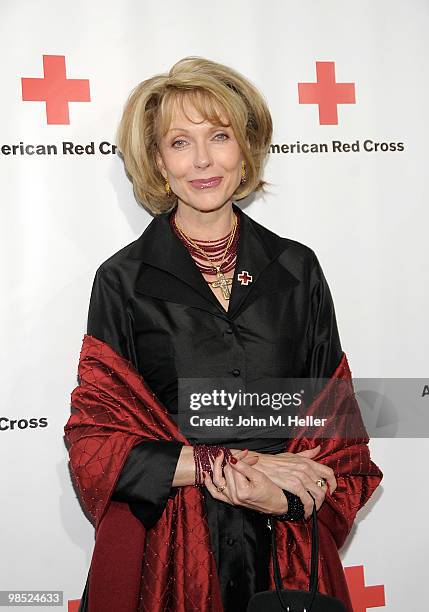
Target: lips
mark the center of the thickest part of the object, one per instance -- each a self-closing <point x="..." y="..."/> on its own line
<point x="206" y="183"/>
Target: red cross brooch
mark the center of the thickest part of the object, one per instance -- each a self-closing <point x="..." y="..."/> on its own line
<point x="244" y="277"/>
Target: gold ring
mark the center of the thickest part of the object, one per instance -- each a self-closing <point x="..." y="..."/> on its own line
<point x="321" y="482"/>
<point x="220" y="489"/>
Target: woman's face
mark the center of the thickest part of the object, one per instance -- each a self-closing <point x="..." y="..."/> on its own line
<point x="201" y="161"/>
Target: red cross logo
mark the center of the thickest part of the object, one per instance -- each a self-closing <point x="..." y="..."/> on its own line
<point x="244" y="277"/>
<point x="55" y="89"/>
<point x="363" y="597"/>
<point x="327" y="93"/>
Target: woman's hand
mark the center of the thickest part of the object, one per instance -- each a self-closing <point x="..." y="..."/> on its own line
<point x="298" y="473"/>
<point x="245" y="486"/>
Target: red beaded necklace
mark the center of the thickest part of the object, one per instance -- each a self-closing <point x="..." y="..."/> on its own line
<point x="221" y="253"/>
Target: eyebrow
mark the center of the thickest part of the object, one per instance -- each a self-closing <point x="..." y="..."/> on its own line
<point x="178" y="129"/>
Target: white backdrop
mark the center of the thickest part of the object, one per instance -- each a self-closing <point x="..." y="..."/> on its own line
<point x="364" y="213"/>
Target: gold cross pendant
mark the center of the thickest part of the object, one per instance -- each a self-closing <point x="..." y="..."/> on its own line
<point x="223" y="283"/>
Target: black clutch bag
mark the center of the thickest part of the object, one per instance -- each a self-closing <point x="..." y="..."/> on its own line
<point x="294" y="600"/>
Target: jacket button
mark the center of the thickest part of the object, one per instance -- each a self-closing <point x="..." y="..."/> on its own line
<point x="230" y="541"/>
<point x="229" y="330"/>
<point x="236" y="372"/>
<point x="231" y="584"/>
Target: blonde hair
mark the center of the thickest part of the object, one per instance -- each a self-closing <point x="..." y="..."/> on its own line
<point x="213" y="90"/>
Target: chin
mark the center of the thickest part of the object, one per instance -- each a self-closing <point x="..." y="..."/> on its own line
<point x="206" y="204"/>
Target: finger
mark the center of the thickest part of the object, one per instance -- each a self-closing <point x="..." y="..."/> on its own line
<point x="309" y="484"/>
<point x="208" y="483"/>
<point x="331" y="483"/>
<point x="317" y="470"/>
<point x="246" y="454"/>
<point x="313" y="502"/>
<point x="295" y="486"/>
<point x="240" y="453"/>
<point x="307" y="501"/>
<point x="239" y="485"/>
<point x="310" y="452"/>
<point x="238" y="478"/>
<point x="307" y="468"/>
<point x="308" y="472"/>
<point x="250" y="460"/>
<point x="317" y="492"/>
<point x="218" y="477"/>
<point x="246" y="470"/>
<point x="332" y="489"/>
<point x="213" y="491"/>
<point x="327" y="473"/>
<point x="230" y="485"/>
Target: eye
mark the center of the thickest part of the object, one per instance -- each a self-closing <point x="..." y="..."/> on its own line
<point x="176" y="142"/>
<point x="179" y="143"/>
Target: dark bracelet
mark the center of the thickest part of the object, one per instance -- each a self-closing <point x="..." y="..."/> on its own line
<point x="295" y="510"/>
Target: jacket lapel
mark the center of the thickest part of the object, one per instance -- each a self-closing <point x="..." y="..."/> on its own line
<point x="171" y="274"/>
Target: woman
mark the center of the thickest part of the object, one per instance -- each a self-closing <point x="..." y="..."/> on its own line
<point x="204" y="292"/>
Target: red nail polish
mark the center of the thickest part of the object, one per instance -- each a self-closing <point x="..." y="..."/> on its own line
<point x="232" y="460"/>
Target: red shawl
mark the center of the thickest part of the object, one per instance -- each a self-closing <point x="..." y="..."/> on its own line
<point x="171" y="566"/>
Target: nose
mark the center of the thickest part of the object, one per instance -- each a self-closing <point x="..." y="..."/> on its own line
<point x="202" y="157"/>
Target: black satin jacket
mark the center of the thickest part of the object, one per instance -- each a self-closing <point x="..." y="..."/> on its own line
<point x="152" y="305"/>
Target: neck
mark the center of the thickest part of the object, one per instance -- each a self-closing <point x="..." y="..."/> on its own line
<point x="205" y="225"/>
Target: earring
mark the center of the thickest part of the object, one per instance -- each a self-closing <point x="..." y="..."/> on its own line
<point x="167" y="188"/>
<point x="243" y="172"/>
